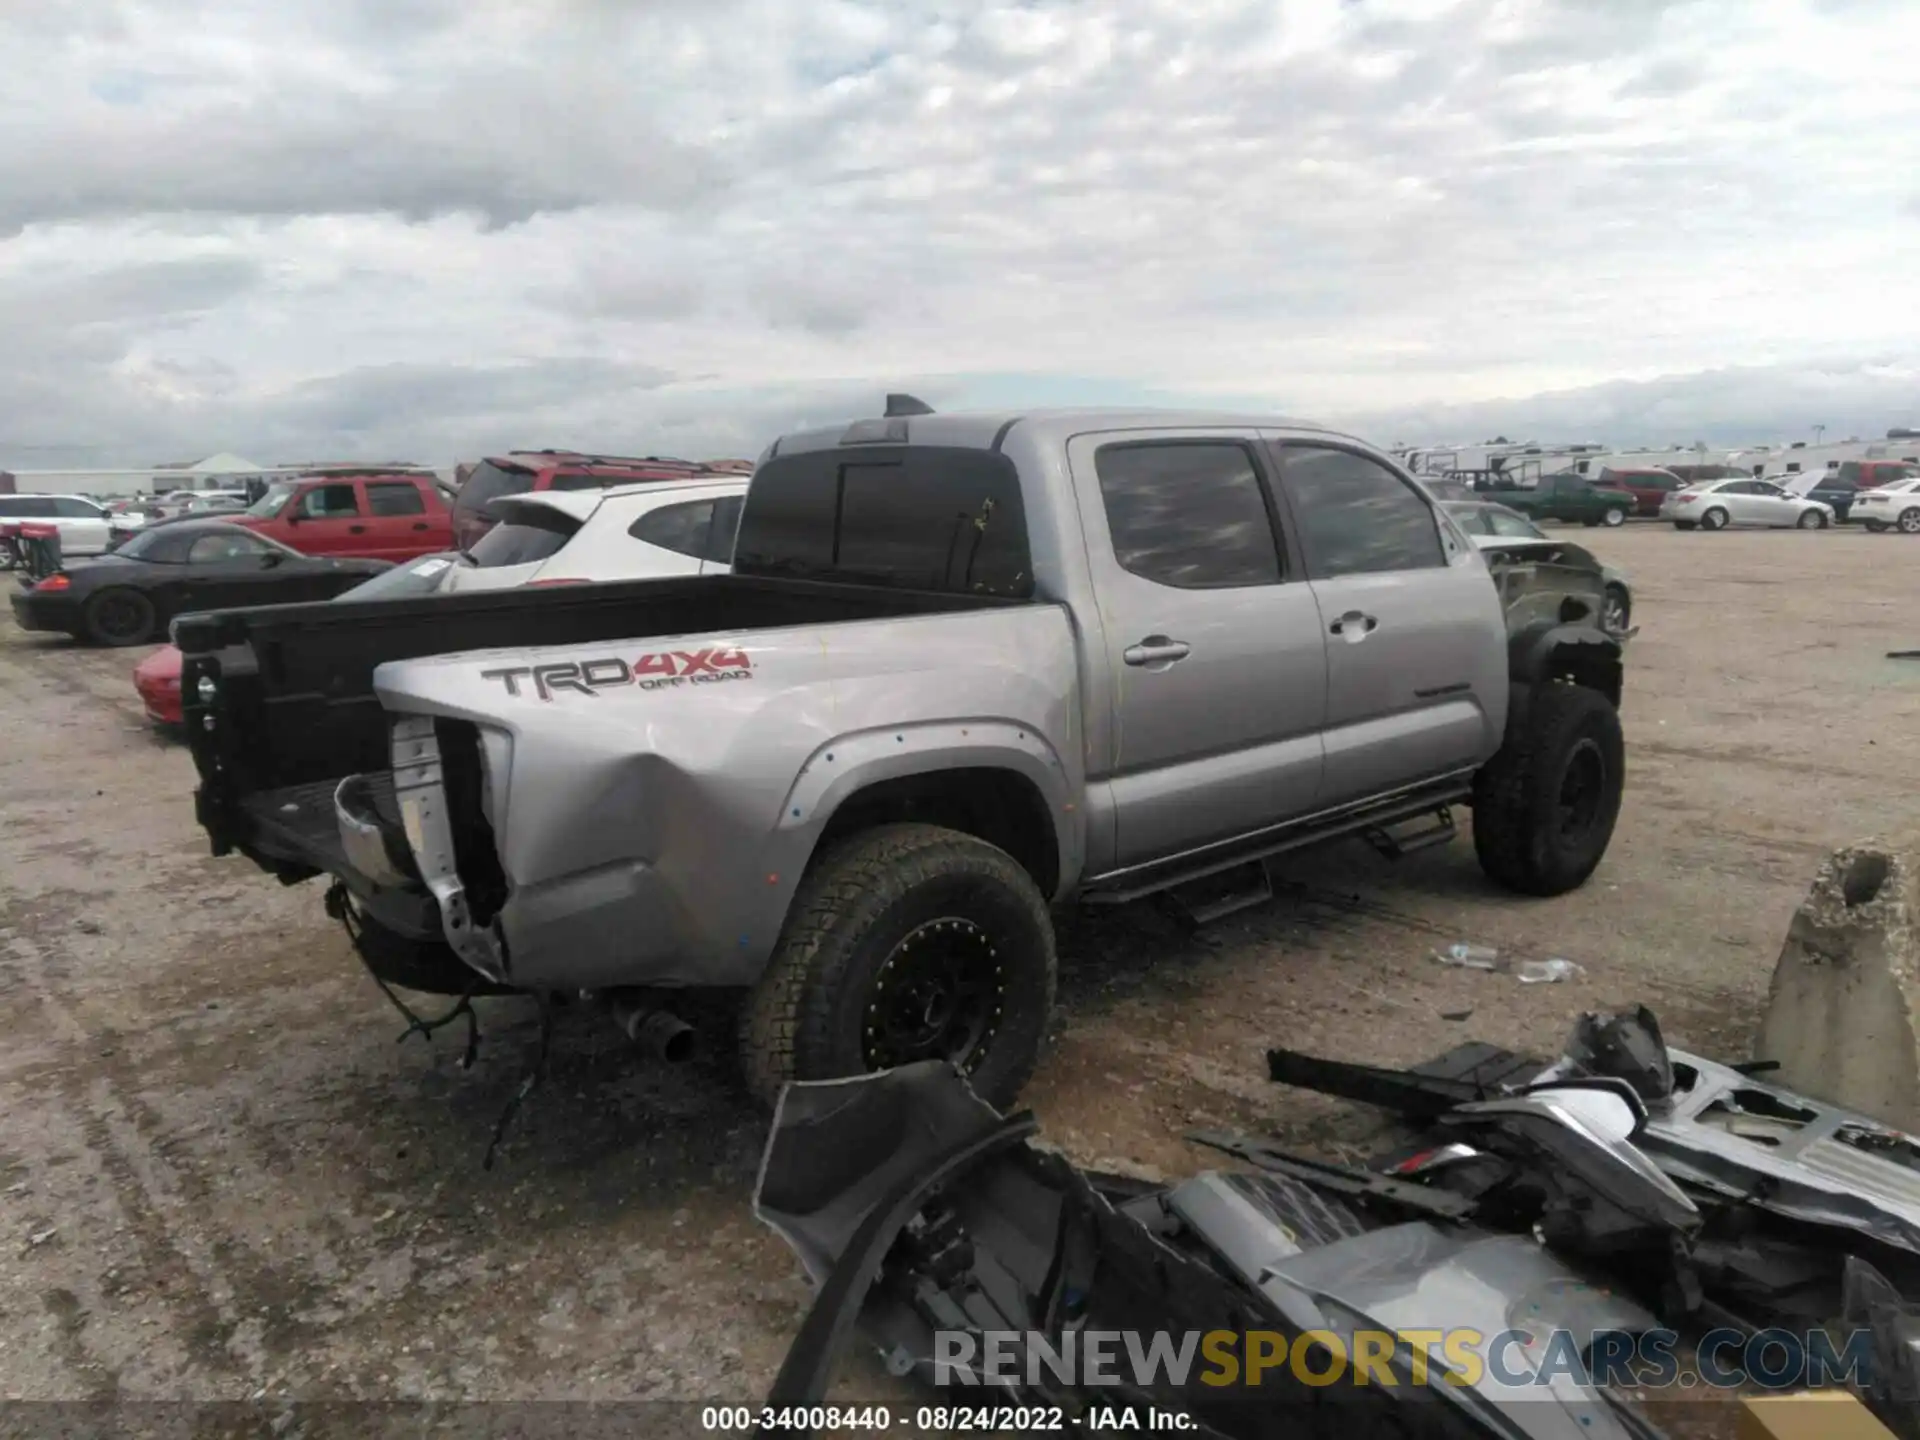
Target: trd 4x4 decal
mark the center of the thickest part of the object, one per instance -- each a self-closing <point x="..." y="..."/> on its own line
<point x="657" y="671"/>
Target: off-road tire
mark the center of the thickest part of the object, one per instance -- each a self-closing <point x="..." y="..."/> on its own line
<point x="1811" y="520"/>
<point x="805" y="1018"/>
<point x="1517" y="832"/>
<point x="1614" y="518"/>
<point x="1715" y="519"/>
<point x="104" y="622"/>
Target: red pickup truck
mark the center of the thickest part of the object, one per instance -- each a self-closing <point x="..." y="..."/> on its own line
<point x="370" y="515"/>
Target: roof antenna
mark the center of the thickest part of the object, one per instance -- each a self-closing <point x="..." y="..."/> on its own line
<point x="898" y="404"/>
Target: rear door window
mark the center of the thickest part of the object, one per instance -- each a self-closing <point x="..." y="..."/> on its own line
<point x="702" y="529"/>
<point x="1356" y="516"/>
<point x="329" y="502"/>
<point x="387" y="497"/>
<point x="681" y="528"/>
<point x="68" y="507"/>
<point x="1188" y="514"/>
<point x="913" y="517"/>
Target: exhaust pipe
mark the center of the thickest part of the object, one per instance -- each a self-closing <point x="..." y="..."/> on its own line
<point x="659" y="1032"/>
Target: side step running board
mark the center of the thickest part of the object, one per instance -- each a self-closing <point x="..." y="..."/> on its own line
<point x="1437" y="828"/>
<point x="1117" y="887"/>
<point x="1201" y="902"/>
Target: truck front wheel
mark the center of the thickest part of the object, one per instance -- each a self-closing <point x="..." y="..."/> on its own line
<point x="904" y="943"/>
<point x="1544" y="807"/>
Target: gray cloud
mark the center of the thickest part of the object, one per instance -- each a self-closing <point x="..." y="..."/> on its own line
<point x="419" y="223"/>
<point x="1733" y="405"/>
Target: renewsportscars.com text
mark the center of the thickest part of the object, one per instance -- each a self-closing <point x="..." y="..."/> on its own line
<point x="1725" y="1359"/>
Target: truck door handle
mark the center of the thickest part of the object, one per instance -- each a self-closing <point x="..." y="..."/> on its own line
<point x="1156" y="649"/>
<point x="419" y="524"/>
<point x="356" y="529"/>
<point x="1354" y="626"/>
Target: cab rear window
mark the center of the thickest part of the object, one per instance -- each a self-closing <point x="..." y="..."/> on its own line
<point x="917" y="517"/>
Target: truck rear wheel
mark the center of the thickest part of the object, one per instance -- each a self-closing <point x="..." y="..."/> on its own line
<point x="904" y="943"/>
<point x="1545" y="806"/>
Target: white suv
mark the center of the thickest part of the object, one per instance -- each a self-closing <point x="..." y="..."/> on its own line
<point x="628" y="532"/>
<point x="84" y="526"/>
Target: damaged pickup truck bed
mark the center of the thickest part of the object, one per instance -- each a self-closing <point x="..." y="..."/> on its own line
<point x="966" y="667"/>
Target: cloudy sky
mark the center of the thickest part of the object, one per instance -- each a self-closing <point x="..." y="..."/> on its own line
<point x="430" y="228"/>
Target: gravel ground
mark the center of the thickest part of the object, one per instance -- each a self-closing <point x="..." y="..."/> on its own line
<point x="220" y="1175"/>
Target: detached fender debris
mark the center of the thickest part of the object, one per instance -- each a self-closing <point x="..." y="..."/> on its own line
<point x="930" y="1223"/>
<point x="1787" y="1186"/>
<point x="1623" y="1189"/>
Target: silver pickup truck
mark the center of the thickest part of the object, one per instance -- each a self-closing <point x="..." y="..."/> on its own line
<point x="967" y="668"/>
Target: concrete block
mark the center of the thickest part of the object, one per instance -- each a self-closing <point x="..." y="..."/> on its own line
<point x="1843" y="1014"/>
<point x="1808" y="1415"/>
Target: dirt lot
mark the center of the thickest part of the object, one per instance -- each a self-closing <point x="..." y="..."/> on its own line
<point x="221" y="1176"/>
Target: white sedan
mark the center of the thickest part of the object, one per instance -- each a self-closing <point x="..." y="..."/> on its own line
<point x="628" y="532"/>
<point x="1716" y="504"/>
<point x="1894" y="506"/>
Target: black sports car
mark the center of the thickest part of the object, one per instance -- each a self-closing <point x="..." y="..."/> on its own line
<point x="128" y="597"/>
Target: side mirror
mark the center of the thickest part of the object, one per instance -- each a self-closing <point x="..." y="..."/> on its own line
<point x="271" y="560"/>
<point x="292" y="516"/>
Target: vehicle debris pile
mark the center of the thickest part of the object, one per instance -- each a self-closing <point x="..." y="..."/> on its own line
<point x="1623" y="1192"/>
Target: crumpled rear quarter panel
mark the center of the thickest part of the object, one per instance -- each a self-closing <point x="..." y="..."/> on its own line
<point x="655" y="833"/>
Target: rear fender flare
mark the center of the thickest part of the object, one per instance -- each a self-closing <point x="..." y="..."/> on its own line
<point x="1582" y="652"/>
<point x="848" y="764"/>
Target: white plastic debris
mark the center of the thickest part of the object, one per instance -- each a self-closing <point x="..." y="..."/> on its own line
<point x="1468" y="957"/>
<point x="1547" y="972"/>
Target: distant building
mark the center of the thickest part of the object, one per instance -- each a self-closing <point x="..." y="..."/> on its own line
<point x="225" y="471"/>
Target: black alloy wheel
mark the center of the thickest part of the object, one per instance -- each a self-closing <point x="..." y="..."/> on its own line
<point x="119" y="617"/>
<point x="938" y="996"/>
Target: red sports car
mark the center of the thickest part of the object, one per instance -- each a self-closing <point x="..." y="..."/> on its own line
<point x="157" y="678"/>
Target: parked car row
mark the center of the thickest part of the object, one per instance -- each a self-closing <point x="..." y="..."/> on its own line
<point x="556" y="537"/>
<point x="1678" y="493"/>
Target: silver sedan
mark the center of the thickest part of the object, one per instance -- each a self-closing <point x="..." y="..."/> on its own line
<point x="1716" y="504"/>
